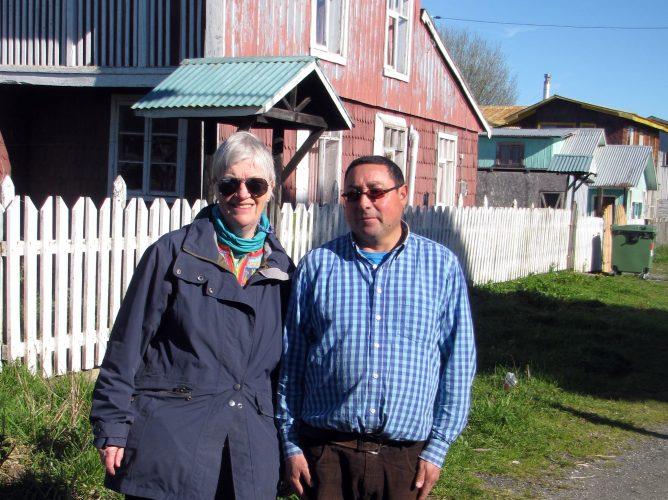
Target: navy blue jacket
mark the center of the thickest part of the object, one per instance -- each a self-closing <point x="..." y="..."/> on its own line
<point x="189" y="364"/>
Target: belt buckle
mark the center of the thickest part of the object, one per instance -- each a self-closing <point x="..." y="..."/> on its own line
<point x="368" y="446"/>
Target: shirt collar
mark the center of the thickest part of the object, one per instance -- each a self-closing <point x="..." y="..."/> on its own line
<point x="399" y="247"/>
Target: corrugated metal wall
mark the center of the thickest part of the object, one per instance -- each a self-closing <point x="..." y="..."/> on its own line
<point x="431" y="100"/>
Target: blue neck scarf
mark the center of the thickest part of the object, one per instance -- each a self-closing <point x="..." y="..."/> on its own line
<point x="240" y="246"/>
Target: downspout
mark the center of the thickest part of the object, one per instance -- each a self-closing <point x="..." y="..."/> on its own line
<point x="414" y="137"/>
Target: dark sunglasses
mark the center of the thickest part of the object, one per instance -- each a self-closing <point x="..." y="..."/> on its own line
<point x="373" y="194"/>
<point x="256" y="186"/>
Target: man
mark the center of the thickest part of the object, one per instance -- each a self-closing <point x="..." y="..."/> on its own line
<point x="378" y="353"/>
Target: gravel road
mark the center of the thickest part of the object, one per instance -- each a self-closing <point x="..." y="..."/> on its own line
<point x="640" y="472"/>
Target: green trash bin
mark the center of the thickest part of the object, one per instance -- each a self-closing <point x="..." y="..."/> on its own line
<point x="632" y="248"/>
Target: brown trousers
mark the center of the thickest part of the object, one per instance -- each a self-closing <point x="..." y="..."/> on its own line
<point x="339" y="472"/>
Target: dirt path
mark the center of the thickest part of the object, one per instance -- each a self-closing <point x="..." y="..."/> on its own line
<point x="641" y="472"/>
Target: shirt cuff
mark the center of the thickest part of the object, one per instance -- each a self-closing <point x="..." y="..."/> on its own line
<point x="290" y="443"/>
<point x="117" y="430"/>
<point x="435" y="451"/>
<point x="109" y="441"/>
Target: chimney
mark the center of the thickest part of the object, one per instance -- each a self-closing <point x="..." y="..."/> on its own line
<point x="546" y="86"/>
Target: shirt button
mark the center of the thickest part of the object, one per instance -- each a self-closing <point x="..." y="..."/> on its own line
<point x="240" y="406"/>
<point x="237" y="387"/>
<point x="377" y="317"/>
<point x="375" y="375"/>
<point x="376" y="345"/>
<point x="200" y="278"/>
<point x="211" y="290"/>
<point x="178" y="271"/>
<point x="379" y="290"/>
<point x="231" y="402"/>
<point x="374" y="266"/>
<point x="372" y="411"/>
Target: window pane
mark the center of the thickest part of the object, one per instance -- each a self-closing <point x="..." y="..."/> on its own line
<point x="165" y="125"/>
<point x="130" y="147"/>
<point x="335" y="26"/>
<point x="132" y="174"/>
<point x="389" y="56"/>
<point x="163" y="149"/>
<point x="321" y="22"/>
<point x="402" y="41"/>
<point x="163" y="178"/>
<point x="128" y="121"/>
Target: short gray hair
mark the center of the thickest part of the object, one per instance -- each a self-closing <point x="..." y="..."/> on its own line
<point x="242" y="146"/>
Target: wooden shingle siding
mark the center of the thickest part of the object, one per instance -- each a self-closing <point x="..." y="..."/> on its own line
<point x="108" y="33"/>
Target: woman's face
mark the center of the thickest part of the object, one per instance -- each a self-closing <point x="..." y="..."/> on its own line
<point x="241" y="209"/>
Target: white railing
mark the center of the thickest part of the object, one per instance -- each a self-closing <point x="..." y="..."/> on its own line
<point x="65" y="270"/>
<point x="118" y="33"/>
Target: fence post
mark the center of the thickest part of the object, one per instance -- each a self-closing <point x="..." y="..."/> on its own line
<point x="570" y="261"/>
<point x="7" y="191"/>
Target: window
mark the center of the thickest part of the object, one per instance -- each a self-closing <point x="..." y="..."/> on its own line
<point x="636" y="210"/>
<point x="318" y="177"/>
<point x="551" y="199"/>
<point x="148" y="153"/>
<point x="398" y="38"/>
<point x="631" y="135"/>
<point x="329" y="29"/>
<point x="510" y="155"/>
<point x="446" y="169"/>
<point x="391" y="139"/>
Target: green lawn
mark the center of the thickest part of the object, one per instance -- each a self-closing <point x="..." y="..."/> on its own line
<point x="589" y="352"/>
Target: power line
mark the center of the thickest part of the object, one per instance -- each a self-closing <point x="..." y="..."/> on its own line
<point x="569" y="26"/>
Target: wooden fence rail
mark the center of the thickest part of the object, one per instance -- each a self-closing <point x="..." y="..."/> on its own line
<point x="65" y="270"/>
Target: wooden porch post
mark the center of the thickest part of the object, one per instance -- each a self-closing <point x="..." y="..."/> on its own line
<point x="210" y="144"/>
<point x="277" y="145"/>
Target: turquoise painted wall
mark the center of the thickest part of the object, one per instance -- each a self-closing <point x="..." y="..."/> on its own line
<point x="537" y="151"/>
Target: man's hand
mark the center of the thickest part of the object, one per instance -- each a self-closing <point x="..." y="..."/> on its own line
<point x="426" y="477"/>
<point x="111" y="457"/>
<point x="296" y="469"/>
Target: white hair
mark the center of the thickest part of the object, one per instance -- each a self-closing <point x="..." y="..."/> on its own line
<point x="243" y="146"/>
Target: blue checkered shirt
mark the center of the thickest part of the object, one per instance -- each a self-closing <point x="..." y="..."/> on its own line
<point x="384" y="349"/>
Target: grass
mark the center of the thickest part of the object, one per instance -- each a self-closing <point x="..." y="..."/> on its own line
<point x="589" y="353"/>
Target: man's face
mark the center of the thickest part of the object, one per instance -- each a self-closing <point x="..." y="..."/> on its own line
<point x="374" y="221"/>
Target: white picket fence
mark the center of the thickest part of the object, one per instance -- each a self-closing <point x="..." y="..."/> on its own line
<point x="64" y="271"/>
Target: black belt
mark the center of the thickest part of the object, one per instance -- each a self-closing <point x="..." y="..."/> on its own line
<point x="369" y="443"/>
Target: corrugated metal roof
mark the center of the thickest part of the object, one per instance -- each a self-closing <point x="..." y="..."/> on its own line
<point x="224" y="82"/>
<point x="583" y="141"/>
<point x="622" y="166"/>
<point x="233" y="86"/>
<point x="531" y="132"/>
<point x="570" y="164"/>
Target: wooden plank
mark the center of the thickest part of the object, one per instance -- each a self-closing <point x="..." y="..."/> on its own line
<point x="3" y="306"/>
<point x="129" y="242"/>
<point x="80" y="33"/>
<point x="30" y="34"/>
<point x="30" y="215"/>
<point x="168" y="36"/>
<point x="142" y="60"/>
<point x="115" y="284"/>
<point x="135" y="34"/>
<point x="44" y="37"/>
<point x="15" y="347"/>
<point x="4" y="45"/>
<point x="165" y="219"/>
<point x="191" y="28"/>
<point x="151" y="32"/>
<point x="24" y="32"/>
<point x="96" y="33"/>
<point x="104" y="12"/>
<point x="104" y="237"/>
<point x="142" y="229"/>
<point x="11" y="17"/>
<point x="183" y="31"/>
<point x="76" y="284"/>
<point x="160" y="55"/>
<point x="88" y="34"/>
<point x="61" y="274"/>
<point x="46" y="286"/>
<point x="154" y="221"/>
<point x="56" y="32"/>
<point x="127" y="40"/>
<point x="90" y="285"/>
<point x="118" y="34"/>
<point x="175" y="216"/>
<point x="198" y="51"/>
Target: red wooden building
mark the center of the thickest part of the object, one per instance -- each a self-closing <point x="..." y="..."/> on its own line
<point x="71" y="69"/>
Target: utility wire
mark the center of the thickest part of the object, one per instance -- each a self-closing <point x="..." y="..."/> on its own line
<point x="569" y="26"/>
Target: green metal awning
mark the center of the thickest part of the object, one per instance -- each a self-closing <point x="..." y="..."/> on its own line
<point x="290" y="92"/>
<point x="571" y="164"/>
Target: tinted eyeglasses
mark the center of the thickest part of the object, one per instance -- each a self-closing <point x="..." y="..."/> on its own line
<point x="373" y="194"/>
<point x="256" y="186"/>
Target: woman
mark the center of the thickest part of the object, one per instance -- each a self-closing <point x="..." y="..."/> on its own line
<point x="183" y="404"/>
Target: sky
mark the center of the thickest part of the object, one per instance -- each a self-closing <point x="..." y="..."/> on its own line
<point x="620" y="69"/>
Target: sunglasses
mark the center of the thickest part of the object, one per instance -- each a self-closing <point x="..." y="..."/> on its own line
<point x="373" y="194"/>
<point x="256" y="186"/>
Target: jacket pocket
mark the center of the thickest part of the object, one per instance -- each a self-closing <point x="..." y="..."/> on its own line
<point x="264" y="404"/>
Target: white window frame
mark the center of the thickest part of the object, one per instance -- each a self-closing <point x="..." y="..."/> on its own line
<point x="390" y="121"/>
<point x="441" y="166"/>
<point x="391" y="15"/>
<point x="181" y="150"/>
<point x="322" y="51"/>
<point x="303" y="174"/>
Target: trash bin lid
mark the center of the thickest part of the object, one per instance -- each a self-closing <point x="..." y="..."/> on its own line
<point x="633" y="228"/>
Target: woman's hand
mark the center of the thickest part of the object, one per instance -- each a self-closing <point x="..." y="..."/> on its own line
<point x="111" y="457"/>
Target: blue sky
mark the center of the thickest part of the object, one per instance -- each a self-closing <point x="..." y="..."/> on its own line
<point x="626" y="70"/>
